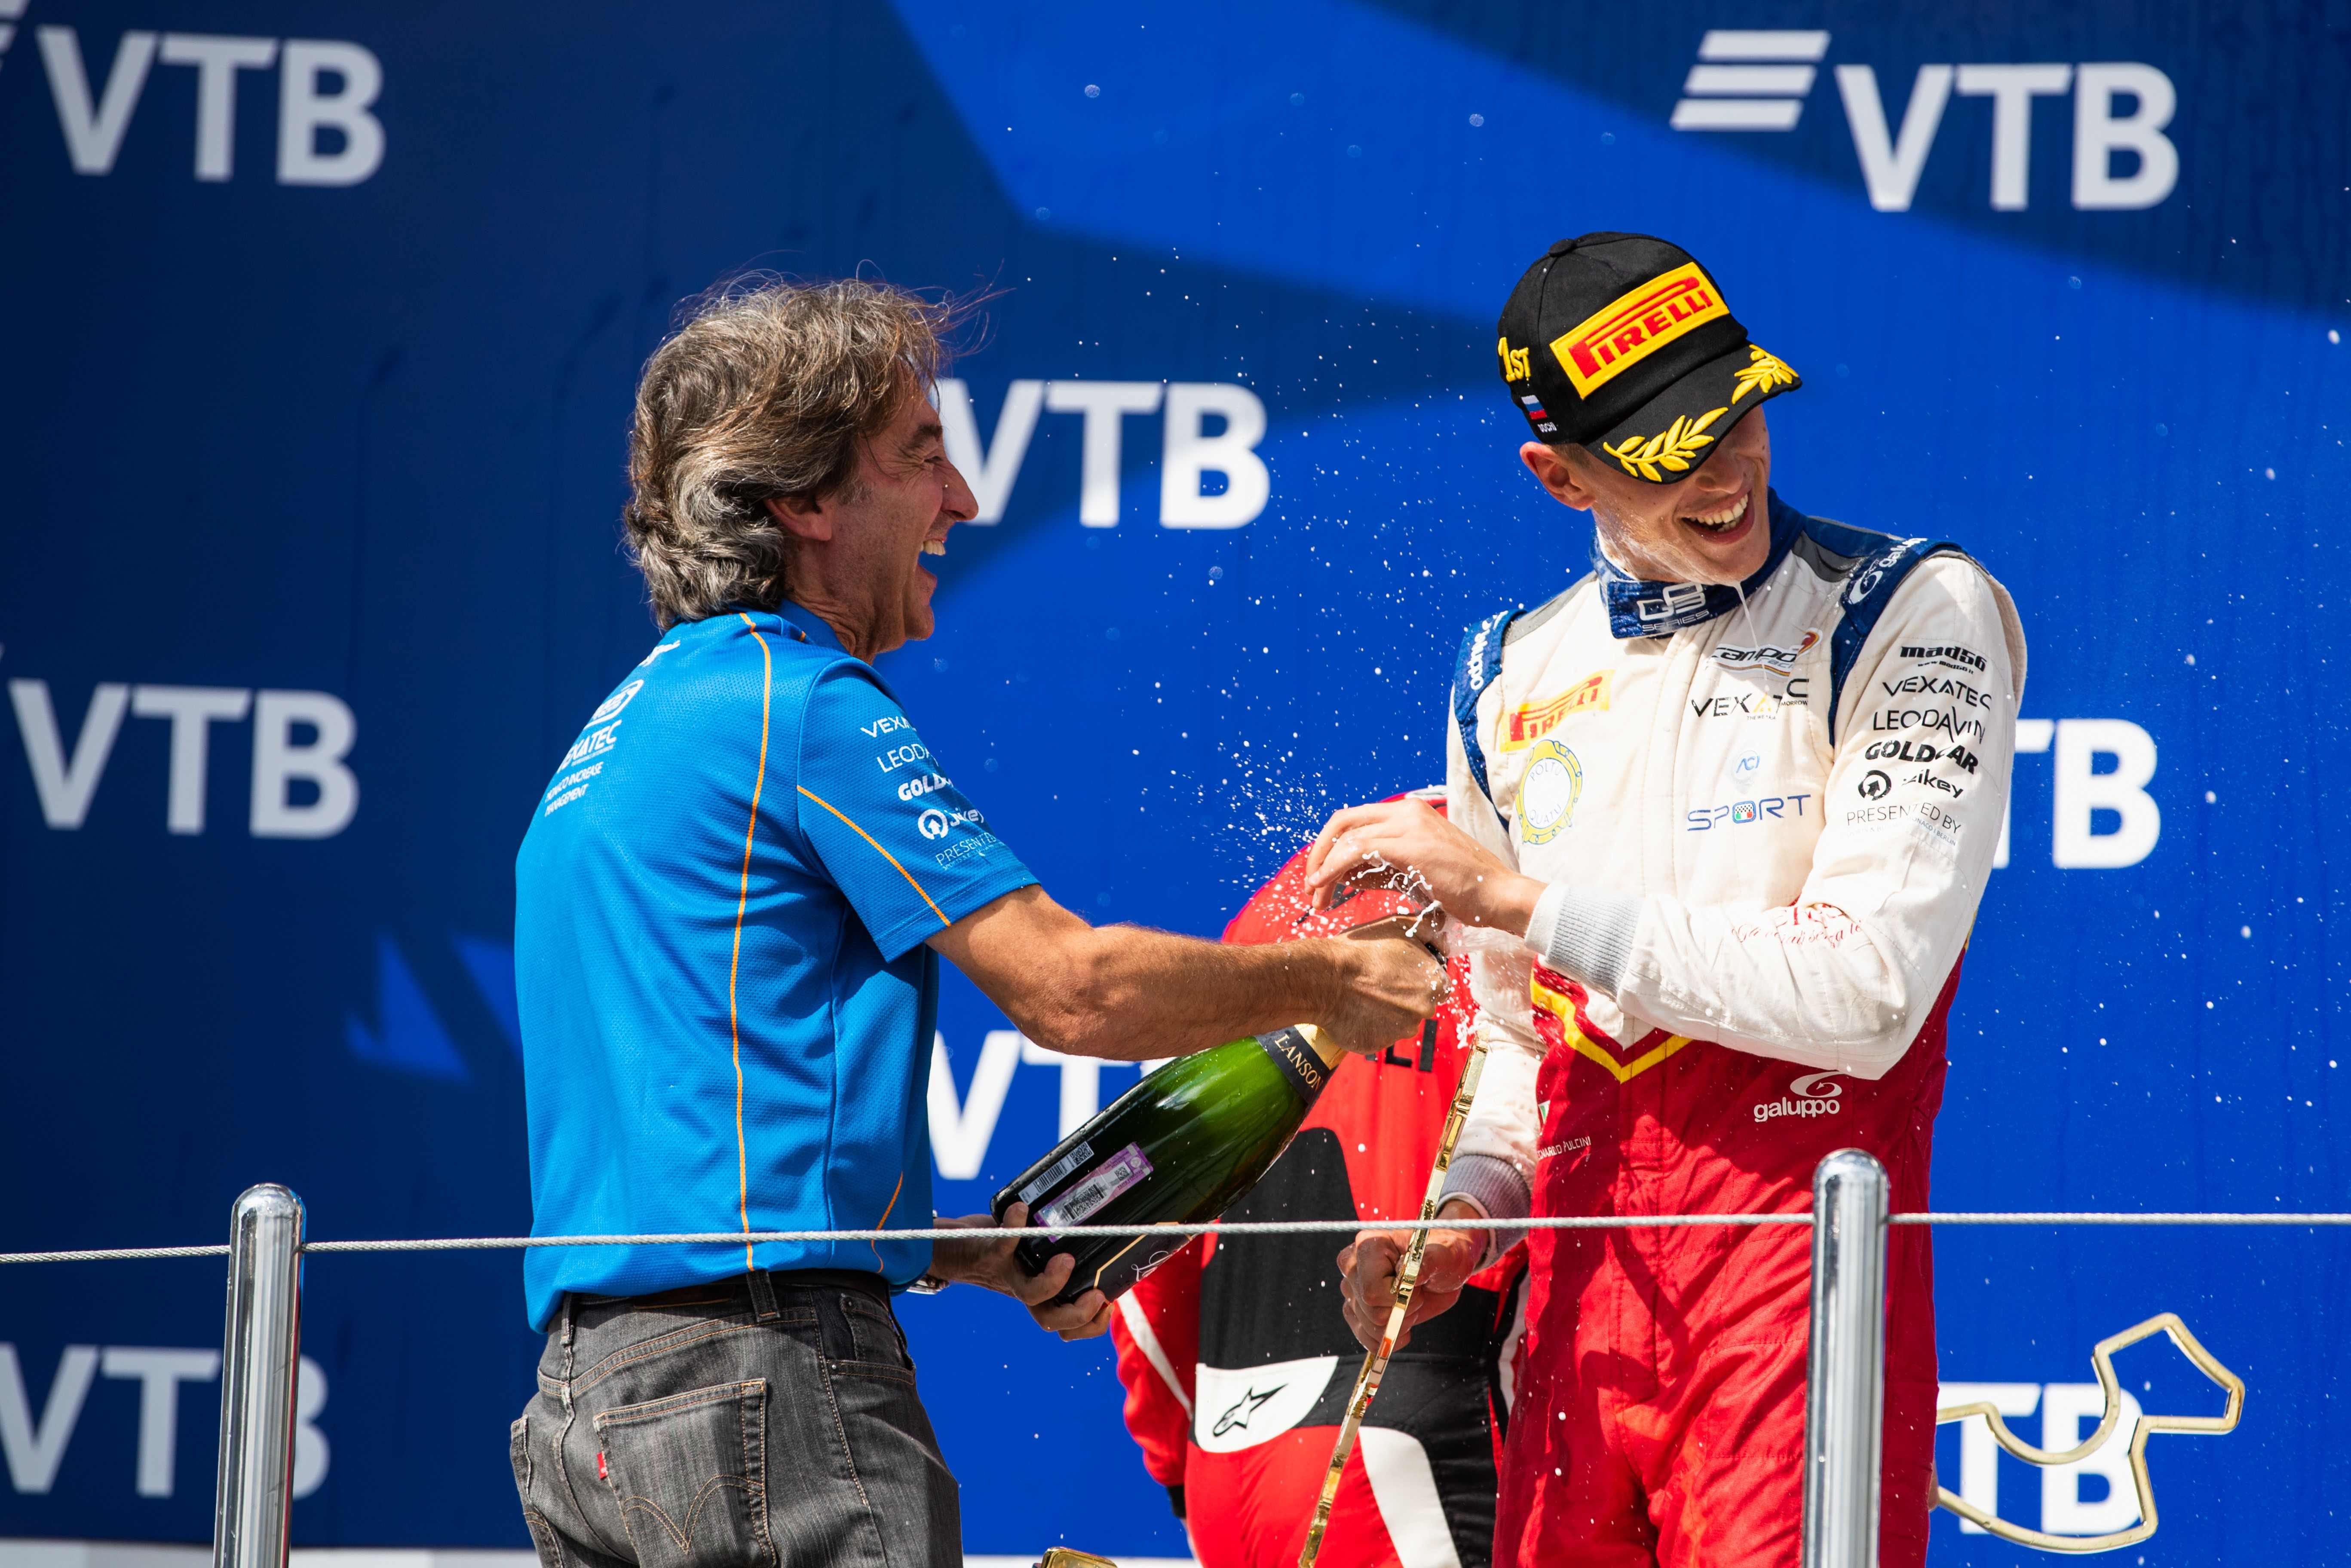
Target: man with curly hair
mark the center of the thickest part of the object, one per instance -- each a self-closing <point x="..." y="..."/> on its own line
<point x="1726" y="808"/>
<point x="731" y="906"/>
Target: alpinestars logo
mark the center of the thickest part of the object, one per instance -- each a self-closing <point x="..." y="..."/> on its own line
<point x="1810" y="1095"/>
<point x="1238" y="1417"/>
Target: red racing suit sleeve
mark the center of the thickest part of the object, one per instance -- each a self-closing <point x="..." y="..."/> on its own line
<point x="1157" y="1332"/>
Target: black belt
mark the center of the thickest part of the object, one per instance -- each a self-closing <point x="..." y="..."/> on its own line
<point x="872" y="1285"/>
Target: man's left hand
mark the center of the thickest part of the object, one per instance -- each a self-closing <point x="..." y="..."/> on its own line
<point x="1406" y="846"/>
<point x="1368" y="1275"/>
<point x="991" y="1265"/>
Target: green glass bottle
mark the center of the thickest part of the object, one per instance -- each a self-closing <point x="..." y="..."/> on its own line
<point x="1178" y="1148"/>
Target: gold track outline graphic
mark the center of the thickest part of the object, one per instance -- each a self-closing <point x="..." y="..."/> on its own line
<point x="2102" y="1357"/>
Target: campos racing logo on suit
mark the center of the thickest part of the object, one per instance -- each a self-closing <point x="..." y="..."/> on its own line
<point x="1778" y="660"/>
<point x="1810" y="1095"/>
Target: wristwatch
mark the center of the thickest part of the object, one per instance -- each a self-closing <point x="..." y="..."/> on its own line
<point x="931" y="1283"/>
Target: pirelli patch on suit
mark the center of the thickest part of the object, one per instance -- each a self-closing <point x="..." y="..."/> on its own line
<point x="1634" y="325"/>
<point x="1532" y="721"/>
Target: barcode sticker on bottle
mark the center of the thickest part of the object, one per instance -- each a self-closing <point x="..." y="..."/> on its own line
<point x="1090" y="1197"/>
<point x="1056" y="1171"/>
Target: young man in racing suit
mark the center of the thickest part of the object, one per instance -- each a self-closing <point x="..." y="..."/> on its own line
<point x="1727" y="807"/>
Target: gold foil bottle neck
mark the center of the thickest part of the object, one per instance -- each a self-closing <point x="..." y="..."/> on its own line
<point x="1062" y="1557"/>
<point x="1322" y="1045"/>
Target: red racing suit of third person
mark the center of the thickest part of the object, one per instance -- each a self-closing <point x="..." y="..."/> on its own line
<point x="1236" y="1355"/>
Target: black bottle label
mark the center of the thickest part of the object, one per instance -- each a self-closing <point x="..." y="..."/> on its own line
<point x="1306" y="1071"/>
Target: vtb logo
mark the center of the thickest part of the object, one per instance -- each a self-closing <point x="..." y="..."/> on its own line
<point x="326" y="88"/>
<point x="1756" y="80"/>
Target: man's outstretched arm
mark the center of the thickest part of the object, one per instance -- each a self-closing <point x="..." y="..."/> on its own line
<point x="1128" y="993"/>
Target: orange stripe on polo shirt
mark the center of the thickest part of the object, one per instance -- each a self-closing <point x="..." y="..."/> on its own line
<point x="734" y="964"/>
<point x="886" y="854"/>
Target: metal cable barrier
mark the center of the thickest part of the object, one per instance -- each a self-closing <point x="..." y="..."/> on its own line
<point x="1844" y="1401"/>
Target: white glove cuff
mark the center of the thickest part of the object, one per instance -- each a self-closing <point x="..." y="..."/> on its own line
<point x="1493" y="1186"/>
<point x="1585" y="933"/>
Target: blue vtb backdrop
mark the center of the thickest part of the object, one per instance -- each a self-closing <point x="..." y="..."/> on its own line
<point x="325" y="321"/>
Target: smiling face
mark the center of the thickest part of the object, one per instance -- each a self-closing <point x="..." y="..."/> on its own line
<point x="857" y="560"/>
<point x="907" y="495"/>
<point x="1710" y="527"/>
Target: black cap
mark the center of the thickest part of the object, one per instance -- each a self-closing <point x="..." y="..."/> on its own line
<point x="1622" y="344"/>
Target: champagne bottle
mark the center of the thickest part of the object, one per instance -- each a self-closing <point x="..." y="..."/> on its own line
<point x="1176" y="1149"/>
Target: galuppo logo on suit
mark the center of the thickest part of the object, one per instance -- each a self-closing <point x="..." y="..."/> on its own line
<point x="1636" y="325"/>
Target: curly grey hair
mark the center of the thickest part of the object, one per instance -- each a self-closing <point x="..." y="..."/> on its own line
<point x="765" y="393"/>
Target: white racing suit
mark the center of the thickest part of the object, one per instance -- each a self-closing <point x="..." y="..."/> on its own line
<point x="1766" y="824"/>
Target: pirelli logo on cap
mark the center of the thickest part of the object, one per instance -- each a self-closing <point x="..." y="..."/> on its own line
<point x="1636" y="325"/>
<point x="1531" y="722"/>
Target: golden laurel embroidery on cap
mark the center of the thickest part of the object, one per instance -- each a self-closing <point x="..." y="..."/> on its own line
<point x="1764" y="371"/>
<point x="1548" y="792"/>
<point x="1515" y="367"/>
<point x="1532" y="721"/>
<point x="1636" y="324"/>
<point x="1673" y="448"/>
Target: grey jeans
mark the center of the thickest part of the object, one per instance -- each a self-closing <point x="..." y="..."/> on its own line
<point x="769" y="1420"/>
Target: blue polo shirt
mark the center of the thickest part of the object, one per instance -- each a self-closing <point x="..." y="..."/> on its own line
<point x="727" y="1005"/>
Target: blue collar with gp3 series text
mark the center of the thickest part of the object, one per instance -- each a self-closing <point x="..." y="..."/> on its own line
<point x="1640" y="609"/>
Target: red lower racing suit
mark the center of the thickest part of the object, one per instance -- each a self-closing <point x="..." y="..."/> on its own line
<point x="1237" y="1360"/>
<point x="1764" y="820"/>
<point x="1672" y="1361"/>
